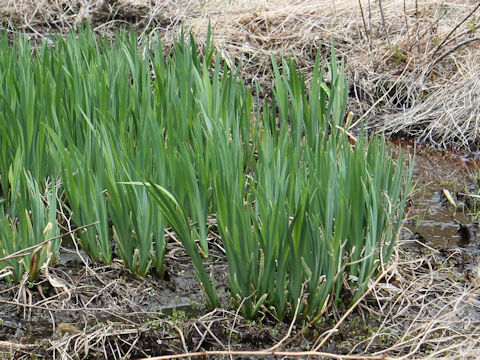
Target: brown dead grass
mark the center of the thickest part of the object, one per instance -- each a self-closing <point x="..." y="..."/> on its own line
<point x="428" y="305"/>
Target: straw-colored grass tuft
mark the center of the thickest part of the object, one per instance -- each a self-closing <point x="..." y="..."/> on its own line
<point x="448" y="114"/>
<point x="428" y="306"/>
<point x="412" y="65"/>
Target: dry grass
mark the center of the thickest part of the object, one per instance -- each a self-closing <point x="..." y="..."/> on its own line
<point x="428" y="306"/>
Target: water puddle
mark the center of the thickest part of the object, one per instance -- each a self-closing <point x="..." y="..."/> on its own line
<point x="190" y="311"/>
<point x="438" y="174"/>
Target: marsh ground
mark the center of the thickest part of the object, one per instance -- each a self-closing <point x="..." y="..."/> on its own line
<point x="413" y="68"/>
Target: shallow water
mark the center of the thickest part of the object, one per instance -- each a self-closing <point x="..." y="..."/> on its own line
<point x="431" y="216"/>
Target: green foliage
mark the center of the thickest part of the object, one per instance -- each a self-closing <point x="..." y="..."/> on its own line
<point x="176" y="218"/>
<point x="299" y="208"/>
<point x="29" y="220"/>
<point x="399" y="55"/>
<point x="86" y="200"/>
<point x="317" y="209"/>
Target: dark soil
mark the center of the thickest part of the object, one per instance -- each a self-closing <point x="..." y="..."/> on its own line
<point x="131" y="316"/>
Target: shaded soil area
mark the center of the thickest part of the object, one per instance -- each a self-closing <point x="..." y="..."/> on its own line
<point x="93" y="306"/>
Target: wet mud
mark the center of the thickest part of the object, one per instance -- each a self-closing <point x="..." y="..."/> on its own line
<point x="107" y="297"/>
<point x="438" y="175"/>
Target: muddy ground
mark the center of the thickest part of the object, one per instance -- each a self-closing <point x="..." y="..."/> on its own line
<point x="412" y="69"/>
